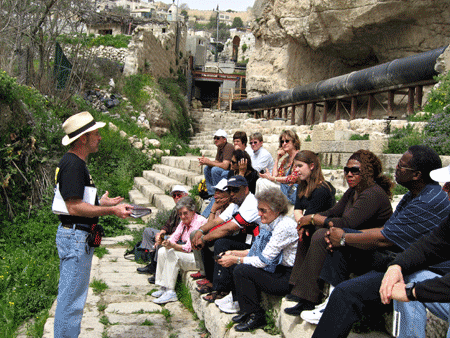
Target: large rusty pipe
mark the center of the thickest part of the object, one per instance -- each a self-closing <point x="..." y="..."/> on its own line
<point x="411" y="69"/>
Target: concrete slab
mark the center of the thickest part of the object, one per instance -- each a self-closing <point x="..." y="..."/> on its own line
<point x="132" y="307"/>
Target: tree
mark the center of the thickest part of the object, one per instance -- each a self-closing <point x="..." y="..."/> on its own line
<point x="237" y="23"/>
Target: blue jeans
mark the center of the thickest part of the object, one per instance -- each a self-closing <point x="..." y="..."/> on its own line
<point x="413" y="315"/>
<point x="74" y="270"/>
<point x="208" y="208"/>
<point x="212" y="176"/>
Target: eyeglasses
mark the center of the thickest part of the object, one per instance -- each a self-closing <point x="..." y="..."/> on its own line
<point x="353" y="170"/>
<point x="217" y="137"/>
<point x="254" y="142"/>
<point x="400" y="167"/>
<point x="285" y="141"/>
<point x="234" y="189"/>
<point x="177" y="195"/>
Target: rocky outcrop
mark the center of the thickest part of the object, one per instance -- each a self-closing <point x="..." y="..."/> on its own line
<point x="304" y="41"/>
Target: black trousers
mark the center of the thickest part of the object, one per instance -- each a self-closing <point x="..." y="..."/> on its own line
<point x="223" y="277"/>
<point x="250" y="282"/>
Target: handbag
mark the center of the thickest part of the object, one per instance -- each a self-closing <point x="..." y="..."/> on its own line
<point x="94" y="239"/>
<point x="138" y="253"/>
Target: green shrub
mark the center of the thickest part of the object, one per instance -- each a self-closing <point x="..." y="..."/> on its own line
<point x="308" y="138"/>
<point x="357" y="137"/>
<point x="402" y="138"/>
<point x="437" y="131"/>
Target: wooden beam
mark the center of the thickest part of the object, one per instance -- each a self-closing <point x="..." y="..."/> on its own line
<point x="338" y="112"/>
<point x="418" y="97"/>
<point x="325" y="111"/>
<point x="313" y="113"/>
<point x="353" y="108"/>
<point x="293" y="115"/>
<point x="304" y="111"/>
<point x="390" y="107"/>
<point x="370" y="105"/>
<point x="410" y="109"/>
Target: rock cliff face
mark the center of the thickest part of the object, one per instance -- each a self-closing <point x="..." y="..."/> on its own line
<point x="304" y="41"/>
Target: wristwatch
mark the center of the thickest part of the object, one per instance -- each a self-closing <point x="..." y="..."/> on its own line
<point x="409" y="291"/>
<point x="342" y="241"/>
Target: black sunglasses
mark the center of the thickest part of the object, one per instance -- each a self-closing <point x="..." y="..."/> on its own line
<point x="353" y="170"/>
<point x="217" y="137"/>
<point x="285" y="141"/>
<point x="234" y="189"/>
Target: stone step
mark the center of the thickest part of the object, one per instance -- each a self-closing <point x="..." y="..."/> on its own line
<point x="153" y="194"/>
<point x="209" y="153"/>
<point x="189" y="163"/>
<point x="136" y="197"/>
<point x="187" y="178"/>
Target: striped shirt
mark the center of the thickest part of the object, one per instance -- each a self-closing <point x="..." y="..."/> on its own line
<point x="417" y="216"/>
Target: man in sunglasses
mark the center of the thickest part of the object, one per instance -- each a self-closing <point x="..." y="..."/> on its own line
<point x="152" y="238"/>
<point x="216" y="170"/>
<point x="235" y="228"/>
<point x="368" y="252"/>
<point x="262" y="161"/>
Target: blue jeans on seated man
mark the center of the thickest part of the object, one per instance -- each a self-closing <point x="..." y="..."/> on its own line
<point x="74" y="270"/>
<point x="413" y="315"/>
<point x="212" y="176"/>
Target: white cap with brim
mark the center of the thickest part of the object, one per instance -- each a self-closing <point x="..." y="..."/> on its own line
<point x="221" y="133"/>
<point x="79" y="124"/>
<point x="179" y="188"/>
<point x="441" y="175"/>
<point x="222" y="185"/>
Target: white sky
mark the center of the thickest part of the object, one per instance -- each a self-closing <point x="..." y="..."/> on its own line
<point x="236" y="5"/>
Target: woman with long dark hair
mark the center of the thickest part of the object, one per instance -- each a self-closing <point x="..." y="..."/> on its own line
<point x="365" y="204"/>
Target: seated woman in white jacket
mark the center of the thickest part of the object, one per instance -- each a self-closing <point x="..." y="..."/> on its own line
<point x="176" y="252"/>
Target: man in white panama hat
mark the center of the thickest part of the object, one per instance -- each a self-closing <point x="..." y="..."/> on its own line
<point x="72" y="177"/>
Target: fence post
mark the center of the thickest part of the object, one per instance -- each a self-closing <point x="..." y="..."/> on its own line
<point x="353" y="108"/>
<point x="293" y="116"/>
<point x="370" y="105"/>
<point x="410" y="110"/>
<point x="338" y="112"/>
<point x="325" y="111"/>
<point x="305" y="106"/>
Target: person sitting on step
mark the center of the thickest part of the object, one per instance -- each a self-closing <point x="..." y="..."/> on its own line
<point x="152" y="238"/>
<point x="262" y="160"/>
<point x="176" y="252"/>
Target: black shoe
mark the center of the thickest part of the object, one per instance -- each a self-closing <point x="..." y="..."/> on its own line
<point x="149" y="270"/>
<point x="240" y="318"/>
<point x="253" y="322"/>
<point x="151" y="280"/>
<point x="293" y="298"/>
<point x="302" y="305"/>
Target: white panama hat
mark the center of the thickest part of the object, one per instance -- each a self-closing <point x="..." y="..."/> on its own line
<point x="441" y="174"/>
<point x="79" y="124"/>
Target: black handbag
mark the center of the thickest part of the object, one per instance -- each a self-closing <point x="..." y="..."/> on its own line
<point x="94" y="239"/>
<point x="138" y="253"/>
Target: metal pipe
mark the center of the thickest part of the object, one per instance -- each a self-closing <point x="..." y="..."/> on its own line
<point x="411" y="69"/>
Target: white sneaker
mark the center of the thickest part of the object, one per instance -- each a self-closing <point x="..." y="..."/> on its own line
<point x="231" y="307"/>
<point x="166" y="297"/>
<point x="313" y="316"/>
<point x="227" y="299"/>
<point x="159" y="293"/>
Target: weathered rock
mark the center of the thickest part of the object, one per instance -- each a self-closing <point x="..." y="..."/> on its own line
<point x="305" y="41"/>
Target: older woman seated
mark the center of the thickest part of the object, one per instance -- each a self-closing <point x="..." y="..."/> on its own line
<point x="176" y="252"/>
<point x="267" y="265"/>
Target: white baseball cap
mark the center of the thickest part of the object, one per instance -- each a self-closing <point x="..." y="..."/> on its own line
<point x="441" y="175"/>
<point x="222" y="185"/>
<point x="179" y="188"/>
<point x="221" y="133"/>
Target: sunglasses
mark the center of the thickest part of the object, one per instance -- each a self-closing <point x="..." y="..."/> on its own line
<point x="254" y="142"/>
<point x="217" y="137"/>
<point x="177" y="194"/>
<point x="285" y="141"/>
<point x="234" y="189"/>
<point x="400" y="167"/>
<point x="353" y="170"/>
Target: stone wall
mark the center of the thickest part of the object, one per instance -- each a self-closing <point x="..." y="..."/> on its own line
<point x="155" y="55"/>
<point x="304" y="41"/>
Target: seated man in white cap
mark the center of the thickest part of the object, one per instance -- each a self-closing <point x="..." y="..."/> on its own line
<point x="152" y="238"/>
<point x="216" y="170"/>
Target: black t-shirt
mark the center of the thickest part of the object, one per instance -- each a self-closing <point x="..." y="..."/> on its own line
<point x="73" y="175"/>
<point x="321" y="199"/>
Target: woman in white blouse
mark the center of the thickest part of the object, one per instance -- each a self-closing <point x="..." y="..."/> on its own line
<point x="267" y="265"/>
<point x="176" y="252"/>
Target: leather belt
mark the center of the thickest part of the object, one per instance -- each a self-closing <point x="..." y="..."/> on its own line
<point x="83" y="227"/>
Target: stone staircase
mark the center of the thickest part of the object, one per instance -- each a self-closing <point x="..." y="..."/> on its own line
<point x="152" y="190"/>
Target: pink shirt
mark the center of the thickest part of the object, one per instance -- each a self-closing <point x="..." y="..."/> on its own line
<point x="183" y="232"/>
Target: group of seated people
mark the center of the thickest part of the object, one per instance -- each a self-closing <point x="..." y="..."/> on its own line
<point x="247" y="243"/>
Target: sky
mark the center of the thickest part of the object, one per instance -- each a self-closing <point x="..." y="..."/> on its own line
<point x="236" y="5"/>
